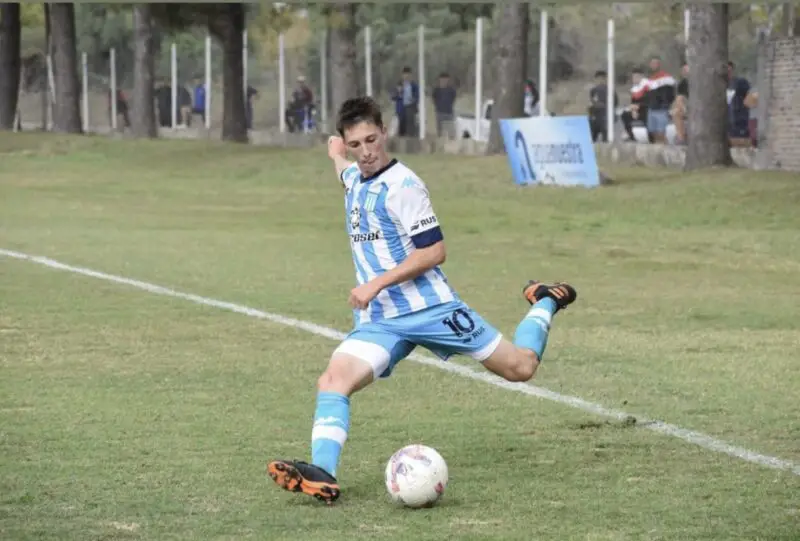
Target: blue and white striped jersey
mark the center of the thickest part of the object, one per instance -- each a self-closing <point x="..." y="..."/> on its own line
<point x="389" y="215"/>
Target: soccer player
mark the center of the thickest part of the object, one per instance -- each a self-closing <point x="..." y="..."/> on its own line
<point x="403" y="299"/>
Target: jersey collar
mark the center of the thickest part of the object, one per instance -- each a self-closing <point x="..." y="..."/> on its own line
<point x="380" y="171"/>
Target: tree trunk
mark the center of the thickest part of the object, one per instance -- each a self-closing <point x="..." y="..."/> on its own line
<point x="788" y="19"/>
<point x="707" y="56"/>
<point x="230" y="29"/>
<point x="343" y="69"/>
<point x="10" y="63"/>
<point x="143" y="116"/>
<point x="66" y="113"/>
<point x="510" y="61"/>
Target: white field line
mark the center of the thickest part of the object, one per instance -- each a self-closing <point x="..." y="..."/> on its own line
<point x="697" y="438"/>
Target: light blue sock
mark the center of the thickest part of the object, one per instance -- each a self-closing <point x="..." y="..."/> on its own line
<point x="331" y="423"/>
<point x="535" y="326"/>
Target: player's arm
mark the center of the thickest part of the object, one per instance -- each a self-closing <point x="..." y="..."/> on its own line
<point x="338" y="153"/>
<point x="411" y="204"/>
<point x="418" y="263"/>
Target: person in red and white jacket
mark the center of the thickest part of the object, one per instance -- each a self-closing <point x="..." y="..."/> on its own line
<point x="661" y="93"/>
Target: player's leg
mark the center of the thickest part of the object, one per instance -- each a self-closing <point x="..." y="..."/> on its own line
<point x="519" y="360"/>
<point x="358" y="361"/>
<point x="454" y="327"/>
<point x="344" y="375"/>
<point x="348" y="371"/>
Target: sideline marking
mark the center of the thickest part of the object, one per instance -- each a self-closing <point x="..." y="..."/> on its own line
<point x="697" y="438"/>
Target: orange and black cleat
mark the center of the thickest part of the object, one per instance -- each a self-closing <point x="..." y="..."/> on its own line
<point x="297" y="476"/>
<point x="562" y="293"/>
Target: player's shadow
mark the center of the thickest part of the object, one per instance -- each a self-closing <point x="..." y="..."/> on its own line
<point x="372" y="490"/>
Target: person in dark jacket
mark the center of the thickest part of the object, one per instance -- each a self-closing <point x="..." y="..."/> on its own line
<point x="122" y="108"/>
<point x="163" y="95"/>
<point x="598" y="107"/>
<point x="444" y="97"/>
<point x="410" y="96"/>
<point x="397" y="99"/>
<point x="636" y="112"/>
<point x="738" y="112"/>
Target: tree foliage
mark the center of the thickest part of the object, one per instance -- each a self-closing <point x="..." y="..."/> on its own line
<point x="32" y="15"/>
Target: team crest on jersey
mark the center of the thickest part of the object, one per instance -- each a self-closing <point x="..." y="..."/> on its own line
<point x="370" y="202"/>
<point x="355" y="218"/>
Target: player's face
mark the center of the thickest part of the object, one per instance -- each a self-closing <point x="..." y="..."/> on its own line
<point x="366" y="143"/>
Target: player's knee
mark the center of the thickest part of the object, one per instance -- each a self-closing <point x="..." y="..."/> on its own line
<point x="335" y="380"/>
<point x="524" y="366"/>
<point x="344" y="376"/>
<point x="327" y="381"/>
<point x="512" y="363"/>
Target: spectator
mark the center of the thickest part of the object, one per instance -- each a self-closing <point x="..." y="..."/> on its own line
<point x="300" y="106"/>
<point x="444" y="97"/>
<point x="683" y="84"/>
<point x="185" y="101"/>
<point x="598" y="106"/>
<point x="252" y="94"/>
<point x="199" y="107"/>
<point x="636" y="113"/>
<point x="397" y="98"/>
<point x="122" y="108"/>
<point x="410" y="93"/>
<point x="680" y="107"/>
<point x="163" y="96"/>
<point x="738" y="112"/>
<point x="660" y="95"/>
<point x="531" y="98"/>
<point x="751" y="102"/>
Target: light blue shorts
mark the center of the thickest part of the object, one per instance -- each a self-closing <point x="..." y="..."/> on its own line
<point x="657" y="121"/>
<point x="447" y="329"/>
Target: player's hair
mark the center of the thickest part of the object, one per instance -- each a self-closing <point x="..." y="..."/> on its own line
<point x="357" y="110"/>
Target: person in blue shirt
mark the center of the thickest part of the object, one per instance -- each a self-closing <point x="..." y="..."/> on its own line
<point x="199" y="101"/>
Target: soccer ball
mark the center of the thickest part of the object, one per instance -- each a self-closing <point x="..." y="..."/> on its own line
<point x="416" y="476"/>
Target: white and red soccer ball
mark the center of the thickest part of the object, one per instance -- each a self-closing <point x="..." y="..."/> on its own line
<point x="416" y="476"/>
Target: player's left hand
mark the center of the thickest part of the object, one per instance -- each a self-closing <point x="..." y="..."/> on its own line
<point x="362" y="295"/>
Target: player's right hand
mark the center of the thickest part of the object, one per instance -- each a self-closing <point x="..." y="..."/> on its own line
<point x="336" y="147"/>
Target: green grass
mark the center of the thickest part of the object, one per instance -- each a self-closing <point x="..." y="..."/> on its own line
<point x="126" y="415"/>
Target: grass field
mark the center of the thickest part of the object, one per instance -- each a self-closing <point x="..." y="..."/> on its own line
<point x="127" y="415"/>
